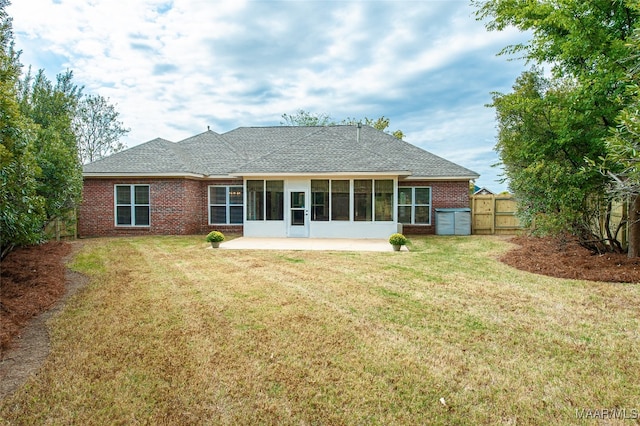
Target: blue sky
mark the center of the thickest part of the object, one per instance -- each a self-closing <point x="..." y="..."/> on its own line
<point x="172" y="68"/>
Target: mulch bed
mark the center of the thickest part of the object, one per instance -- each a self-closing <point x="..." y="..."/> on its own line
<point x="547" y="256"/>
<point x="32" y="279"/>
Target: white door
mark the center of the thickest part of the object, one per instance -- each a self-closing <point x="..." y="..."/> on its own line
<point x="298" y="223"/>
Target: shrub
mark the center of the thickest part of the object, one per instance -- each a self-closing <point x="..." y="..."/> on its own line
<point x="398" y="239"/>
<point x="215" y="237"/>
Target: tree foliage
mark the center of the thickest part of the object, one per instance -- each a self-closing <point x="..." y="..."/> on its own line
<point x="51" y="107"/>
<point x="549" y="125"/>
<point x="381" y="124"/>
<point x="622" y="160"/>
<point x="97" y="128"/>
<point x="305" y="118"/>
<point x="21" y="207"/>
<point x="542" y="140"/>
<point x="40" y="169"/>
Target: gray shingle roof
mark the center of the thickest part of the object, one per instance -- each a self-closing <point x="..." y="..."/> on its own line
<point x="284" y="149"/>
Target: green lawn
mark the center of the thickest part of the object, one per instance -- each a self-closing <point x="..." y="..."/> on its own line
<point x="170" y="331"/>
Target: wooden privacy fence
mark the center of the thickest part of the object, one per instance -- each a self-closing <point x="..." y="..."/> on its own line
<point x="62" y="228"/>
<point x="494" y="215"/>
<point x="618" y="217"/>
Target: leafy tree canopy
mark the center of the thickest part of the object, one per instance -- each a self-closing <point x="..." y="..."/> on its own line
<point x="305" y="118"/>
<point x="21" y="207"/>
<point x="51" y="108"/>
<point x="40" y="168"/>
<point x="623" y="150"/>
<point x="97" y="128"/>
<point x="550" y="124"/>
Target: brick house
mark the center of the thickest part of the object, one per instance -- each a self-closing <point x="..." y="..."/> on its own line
<point x="287" y="181"/>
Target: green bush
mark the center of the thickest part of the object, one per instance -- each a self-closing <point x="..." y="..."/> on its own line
<point x="215" y="237"/>
<point x="398" y="239"/>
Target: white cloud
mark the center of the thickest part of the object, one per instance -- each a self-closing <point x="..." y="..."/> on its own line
<point x="174" y="67"/>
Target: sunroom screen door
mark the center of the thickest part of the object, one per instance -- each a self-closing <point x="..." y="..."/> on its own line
<point x="298" y="214"/>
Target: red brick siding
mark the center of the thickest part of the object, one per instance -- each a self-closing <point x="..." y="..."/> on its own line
<point x="178" y="207"/>
<point x="444" y="194"/>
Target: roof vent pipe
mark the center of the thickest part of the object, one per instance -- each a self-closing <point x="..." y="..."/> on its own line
<point x="358" y="132"/>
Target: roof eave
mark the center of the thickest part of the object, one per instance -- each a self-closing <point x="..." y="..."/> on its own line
<point x="444" y="178"/>
<point x="111" y="175"/>
<point x="403" y="173"/>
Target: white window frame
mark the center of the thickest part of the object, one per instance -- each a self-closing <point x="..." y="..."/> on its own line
<point x="132" y="205"/>
<point x="413" y="204"/>
<point x="227" y="204"/>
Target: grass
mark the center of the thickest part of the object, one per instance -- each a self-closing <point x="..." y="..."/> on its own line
<point x="171" y="332"/>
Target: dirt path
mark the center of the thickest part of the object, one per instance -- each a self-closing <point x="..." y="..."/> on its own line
<point x="30" y="348"/>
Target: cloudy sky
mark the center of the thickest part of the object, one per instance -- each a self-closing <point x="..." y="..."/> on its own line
<point x="174" y="67"/>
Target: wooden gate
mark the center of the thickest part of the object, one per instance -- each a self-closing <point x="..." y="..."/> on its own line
<point x="494" y="215"/>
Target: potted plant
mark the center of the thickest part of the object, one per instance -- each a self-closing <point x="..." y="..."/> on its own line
<point x="215" y="238"/>
<point x="397" y="240"/>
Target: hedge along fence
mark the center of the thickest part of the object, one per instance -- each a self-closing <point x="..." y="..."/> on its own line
<point x="494" y="215"/>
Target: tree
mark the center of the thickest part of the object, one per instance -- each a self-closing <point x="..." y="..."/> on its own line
<point x="40" y="168"/>
<point x="543" y="157"/>
<point x="623" y="154"/>
<point x="381" y="124"/>
<point x="97" y="128"/>
<point x="51" y="108"/>
<point x="568" y="115"/>
<point x="304" y="118"/>
<point x="21" y="208"/>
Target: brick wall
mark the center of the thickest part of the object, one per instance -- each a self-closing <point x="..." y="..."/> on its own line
<point x="178" y="207"/>
<point x="444" y="194"/>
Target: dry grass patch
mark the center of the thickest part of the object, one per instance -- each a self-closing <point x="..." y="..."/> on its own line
<point x="171" y="332"/>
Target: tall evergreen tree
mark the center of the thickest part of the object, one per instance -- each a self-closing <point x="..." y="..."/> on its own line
<point x="21" y="208"/>
<point x="52" y="107"/>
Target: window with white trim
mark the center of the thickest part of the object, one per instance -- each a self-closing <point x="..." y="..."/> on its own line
<point x="132" y="207"/>
<point x="414" y="205"/>
<point x="225" y="205"/>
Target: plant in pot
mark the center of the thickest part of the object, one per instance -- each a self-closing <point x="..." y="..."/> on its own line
<point x="397" y="240"/>
<point x="215" y="238"/>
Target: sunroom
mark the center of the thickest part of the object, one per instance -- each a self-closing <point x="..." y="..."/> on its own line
<point x="319" y="206"/>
